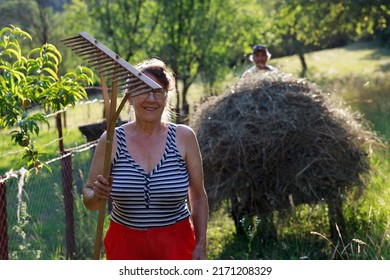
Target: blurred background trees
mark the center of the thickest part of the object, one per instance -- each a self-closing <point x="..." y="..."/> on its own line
<point x="201" y="40"/>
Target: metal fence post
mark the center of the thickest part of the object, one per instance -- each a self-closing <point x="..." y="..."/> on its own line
<point x="3" y="222"/>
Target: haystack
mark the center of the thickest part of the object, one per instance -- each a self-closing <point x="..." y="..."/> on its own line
<point x="277" y="141"/>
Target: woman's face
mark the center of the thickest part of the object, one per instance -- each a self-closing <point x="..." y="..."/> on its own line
<point x="147" y="107"/>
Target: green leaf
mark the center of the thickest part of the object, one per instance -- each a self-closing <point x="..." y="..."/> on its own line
<point x="34" y="52"/>
<point x="11" y="53"/>
<point x="52" y="50"/>
<point x="4" y="30"/>
<point x="23" y="34"/>
<point x="51" y="72"/>
<point x="54" y="57"/>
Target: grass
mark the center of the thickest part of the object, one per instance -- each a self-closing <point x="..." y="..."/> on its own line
<point x="358" y="74"/>
<point x="303" y="232"/>
<point x="39" y="233"/>
<point x="359" y="59"/>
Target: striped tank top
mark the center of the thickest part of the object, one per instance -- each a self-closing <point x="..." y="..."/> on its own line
<point x="142" y="200"/>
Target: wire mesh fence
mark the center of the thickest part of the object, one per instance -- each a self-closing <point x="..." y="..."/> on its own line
<point x="42" y="215"/>
<point x="41" y="218"/>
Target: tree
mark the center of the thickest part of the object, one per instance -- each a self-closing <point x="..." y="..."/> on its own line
<point x="195" y="40"/>
<point x="74" y="18"/>
<point x="239" y="28"/>
<point x="37" y="17"/>
<point x="369" y="18"/>
<point x="32" y="79"/>
<point x="49" y="21"/>
<point x="302" y="26"/>
<point x="307" y="25"/>
<point x="127" y="25"/>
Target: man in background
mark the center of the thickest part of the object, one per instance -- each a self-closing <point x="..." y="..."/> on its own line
<point x="260" y="56"/>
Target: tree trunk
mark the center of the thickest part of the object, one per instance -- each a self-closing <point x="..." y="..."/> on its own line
<point x="44" y="32"/>
<point x="303" y="63"/>
<point x="175" y="69"/>
<point x="185" y="107"/>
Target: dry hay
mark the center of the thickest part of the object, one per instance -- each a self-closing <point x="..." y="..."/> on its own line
<point x="278" y="141"/>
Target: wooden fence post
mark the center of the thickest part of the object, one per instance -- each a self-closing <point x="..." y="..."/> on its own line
<point x="3" y="222"/>
<point x="66" y="179"/>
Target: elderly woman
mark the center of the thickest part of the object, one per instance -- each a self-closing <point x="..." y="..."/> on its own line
<point x="156" y="165"/>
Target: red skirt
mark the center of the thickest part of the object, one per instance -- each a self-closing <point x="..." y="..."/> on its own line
<point x="174" y="242"/>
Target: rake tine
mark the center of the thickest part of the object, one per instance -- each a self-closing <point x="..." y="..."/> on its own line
<point x="78" y="36"/>
<point x="74" y="44"/>
<point x="114" y="67"/>
<point x="134" y="82"/>
<point x="83" y="47"/>
<point x="135" y="94"/>
<point x="133" y="91"/>
<point x="74" y="41"/>
<point x="89" y="56"/>
<point x="126" y="85"/>
<point x="135" y="88"/>
<point x="101" y="62"/>
<point x="92" y="57"/>
<point x="118" y="84"/>
<point x="122" y="84"/>
<point x="117" y="73"/>
<point x="87" y="46"/>
<point x="88" y="52"/>
<point x="99" y="56"/>
<point x="125" y="82"/>
<point x="131" y="80"/>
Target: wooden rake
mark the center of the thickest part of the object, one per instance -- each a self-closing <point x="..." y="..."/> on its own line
<point x="115" y="73"/>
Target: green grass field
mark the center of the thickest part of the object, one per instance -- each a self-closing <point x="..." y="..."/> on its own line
<point x="358" y="74"/>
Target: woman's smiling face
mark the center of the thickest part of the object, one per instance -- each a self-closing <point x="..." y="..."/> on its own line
<point x="146" y="106"/>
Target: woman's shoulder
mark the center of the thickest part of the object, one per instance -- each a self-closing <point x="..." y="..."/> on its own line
<point x="186" y="136"/>
<point x="184" y="130"/>
<point x="124" y="128"/>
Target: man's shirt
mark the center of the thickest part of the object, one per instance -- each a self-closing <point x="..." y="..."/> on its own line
<point x="254" y="70"/>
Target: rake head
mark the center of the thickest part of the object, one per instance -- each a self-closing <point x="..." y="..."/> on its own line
<point x="111" y="66"/>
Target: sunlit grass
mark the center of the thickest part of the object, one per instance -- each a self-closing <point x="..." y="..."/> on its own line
<point x="359" y="59"/>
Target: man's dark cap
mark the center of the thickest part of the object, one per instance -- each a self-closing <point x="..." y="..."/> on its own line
<point x="258" y="47"/>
